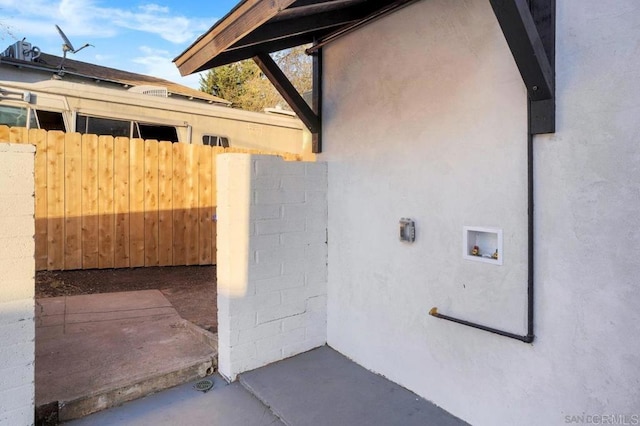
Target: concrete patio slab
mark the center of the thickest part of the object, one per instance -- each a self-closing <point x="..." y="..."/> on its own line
<point x="317" y="388"/>
<point x="224" y="405"/>
<point x="98" y="351"/>
<point x="323" y="387"/>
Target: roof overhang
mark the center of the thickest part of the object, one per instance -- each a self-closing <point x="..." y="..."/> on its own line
<point x="259" y="26"/>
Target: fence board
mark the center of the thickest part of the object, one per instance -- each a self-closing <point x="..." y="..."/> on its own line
<point x="104" y="203"/>
<point x="151" y="203"/>
<point x="90" y="209"/>
<point x="121" y="202"/>
<point x="191" y="184"/>
<point x="165" y="204"/>
<point x="205" y="202"/>
<point x="55" y="200"/>
<point x="73" y="201"/>
<point x="106" y="218"/>
<point x="179" y="205"/>
<point x="137" y="202"/>
<point x="39" y="139"/>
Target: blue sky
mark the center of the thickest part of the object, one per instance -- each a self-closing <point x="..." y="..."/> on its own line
<point x="138" y="36"/>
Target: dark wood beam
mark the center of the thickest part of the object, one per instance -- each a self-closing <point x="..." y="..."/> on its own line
<point x="288" y="92"/>
<point x="242" y="20"/>
<point x="316" y="100"/>
<point x="543" y="113"/>
<point x="302" y="25"/>
<point x="235" y="55"/>
<point x="523" y="38"/>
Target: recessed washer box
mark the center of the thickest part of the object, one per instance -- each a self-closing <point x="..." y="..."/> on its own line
<point x="482" y="244"/>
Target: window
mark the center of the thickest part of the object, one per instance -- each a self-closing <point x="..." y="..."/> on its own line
<point x="15" y="116"/>
<point x="213" y="140"/>
<point x="102" y="126"/>
<point x="155" y="131"/>
<point x="49" y="120"/>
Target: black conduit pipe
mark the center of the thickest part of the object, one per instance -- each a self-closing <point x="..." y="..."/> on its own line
<point x="528" y="338"/>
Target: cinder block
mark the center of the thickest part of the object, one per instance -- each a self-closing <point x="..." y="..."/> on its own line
<point x="280" y="254"/>
<point x="294" y="322"/>
<point x="279" y="283"/>
<point x="261" y="331"/>
<point x="316" y="168"/>
<point x="255" y="302"/>
<point x="277" y="342"/>
<point x="316" y="198"/>
<point x="243" y="351"/>
<point x="280" y="312"/>
<point x="316" y="272"/>
<point x="292" y="183"/>
<point x="265" y="212"/>
<point x="317" y="304"/>
<point x="278" y="196"/>
<point x="296" y="168"/>
<point x="265" y="182"/>
<point x="298" y="348"/>
<point x="12" y="377"/>
<point x="18" y="332"/>
<point x="316" y="221"/>
<point x="265" y="227"/>
<point x="295" y="212"/>
<point x="264" y="242"/>
<point x="296" y="239"/>
<point x="267" y="165"/>
<point x="242" y="320"/>
<point x="264" y="272"/>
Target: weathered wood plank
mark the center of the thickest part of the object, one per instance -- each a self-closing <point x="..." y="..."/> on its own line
<point x="39" y="139"/>
<point x="205" y="204"/>
<point x="151" y="217"/>
<point x="106" y="217"/>
<point x="90" y="211"/>
<point x="55" y="200"/>
<point x="179" y="204"/>
<point x="137" y="202"/>
<point x="121" y="202"/>
<point x="191" y="185"/>
<point x="73" y="201"/>
<point x="165" y="203"/>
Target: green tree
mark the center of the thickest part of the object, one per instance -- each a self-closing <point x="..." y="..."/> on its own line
<point x="244" y="84"/>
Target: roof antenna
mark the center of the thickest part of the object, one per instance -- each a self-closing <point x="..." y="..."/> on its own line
<point x="67" y="47"/>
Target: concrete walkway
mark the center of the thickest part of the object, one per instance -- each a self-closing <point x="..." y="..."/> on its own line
<point x="98" y="351"/>
<point x="317" y="388"/>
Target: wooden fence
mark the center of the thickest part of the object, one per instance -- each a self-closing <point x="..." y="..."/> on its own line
<point x="104" y="202"/>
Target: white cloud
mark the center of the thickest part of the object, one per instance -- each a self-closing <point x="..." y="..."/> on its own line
<point x="157" y="63"/>
<point x="90" y="19"/>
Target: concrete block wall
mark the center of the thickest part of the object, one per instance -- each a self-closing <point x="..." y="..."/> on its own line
<point x="17" y="270"/>
<point x="272" y="260"/>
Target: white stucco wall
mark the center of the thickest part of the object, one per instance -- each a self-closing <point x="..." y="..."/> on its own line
<point x="272" y="260"/>
<point x="17" y="270"/>
<point x="425" y="117"/>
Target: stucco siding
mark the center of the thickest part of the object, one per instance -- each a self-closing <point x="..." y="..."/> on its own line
<point x="425" y="117"/>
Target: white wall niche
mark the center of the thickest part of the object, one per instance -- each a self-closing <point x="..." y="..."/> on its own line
<point x="488" y="240"/>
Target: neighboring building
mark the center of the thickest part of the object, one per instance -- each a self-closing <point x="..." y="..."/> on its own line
<point x="425" y="115"/>
<point x="39" y="90"/>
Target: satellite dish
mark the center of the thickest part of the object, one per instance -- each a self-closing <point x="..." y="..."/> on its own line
<point x="67" y="47"/>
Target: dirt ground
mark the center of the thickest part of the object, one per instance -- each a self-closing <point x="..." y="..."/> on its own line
<point x="190" y="289"/>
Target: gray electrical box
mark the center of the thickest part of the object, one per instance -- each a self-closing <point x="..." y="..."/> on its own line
<point x="407" y="230"/>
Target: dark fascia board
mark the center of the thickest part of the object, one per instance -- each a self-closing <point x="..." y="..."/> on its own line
<point x="242" y="20"/>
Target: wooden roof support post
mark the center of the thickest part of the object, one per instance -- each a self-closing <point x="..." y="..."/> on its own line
<point x="529" y="28"/>
<point x="316" y="100"/>
<point x="288" y="92"/>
